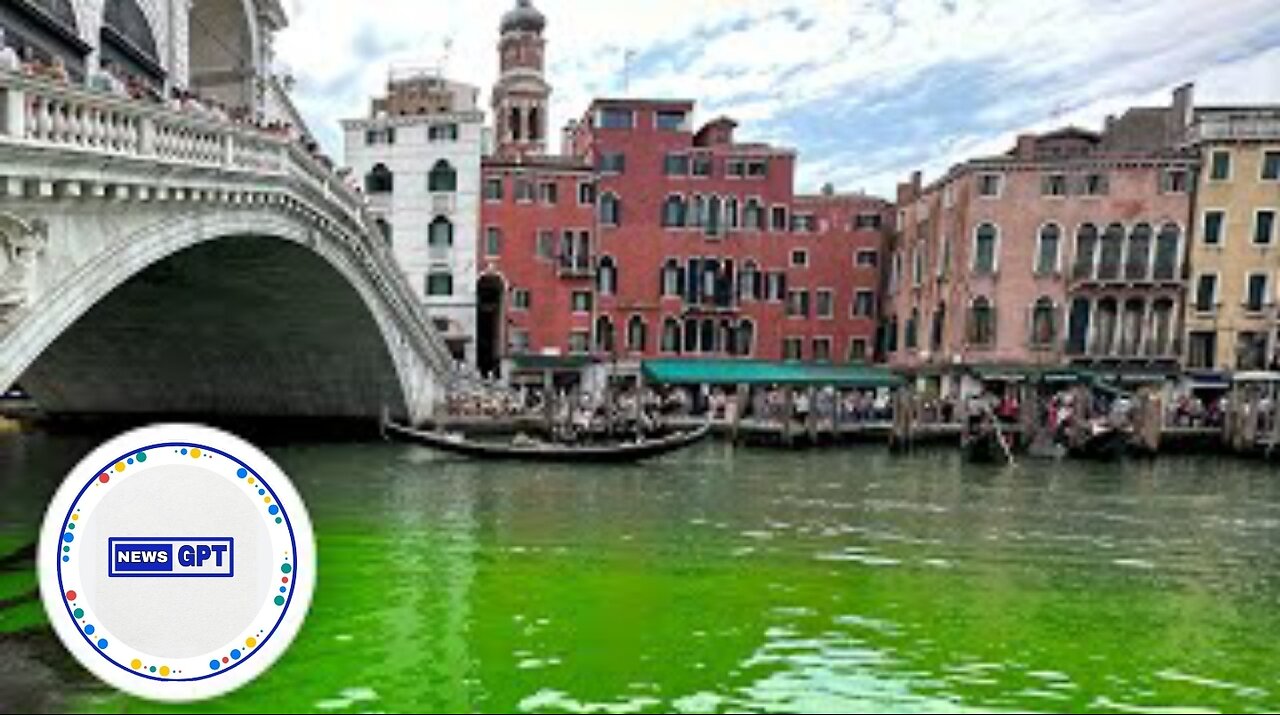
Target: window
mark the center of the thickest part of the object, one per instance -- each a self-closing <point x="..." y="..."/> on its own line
<point x="1173" y="181"/>
<point x="548" y="193"/>
<point x="944" y="261"/>
<point x="697" y="211"/>
<point x="616" y="118"/>
<point x="1220" y="165"/>
<point x="799" y="258"/>
<point x="890" y="335"/>
<point x="1168" y="253"/>
<point x="672" y="283"/>
<point x="1136" y="264"/>
<point x="857" y="350"/>
<point x="867" y="258"/>
<point x="675" y="165"/>
<point x="792" y="349"/>
<point x="493" y="188"/>
<point x="546" y="245"/>
<point x="1264" y="224"/>
<point x="521" y="299"/>
<point x="917" y="265"/>
<point x="1047" y="251"/>
<point x="1053" y="185"/>
<point x="380" y="136"/>
<point x="607" y="276"/>
<point x="1271" y="166"/>
<point x="1044" y="328"/>
<point x="743" y="340"/>
<point x="575" y="251"/>
<point x="637" y="334"/>
<point x="440" y="234"/>
<point x="701" y="165"/>
<point x="442" y="177"/>
<point x="822" y="349"/>
<point x="938" y="327"/>
<point x="612" y="163"/>
<point x="753" y="215"/>
<point x="775" y="286"/>
<point x="442" y="132"/>
<point x="825" y="303"/>
<point x="864" y="304"/>
<point x="1095" y="184"/>
<point x="379" y="180"/>
<point x="984" y="249"/>
<point x="1202" y="349"/>
<point x="669" y="120"/>
<point x="778" y="218"/>
<point x="982" y="322"/>
<point x="604" y="334"/>
<point x="1251" y="350"/>
<point x="749" y="282"/>
<point x="670" y="339"/>
<point x="673" y="211"/>
<point x="519" y="342"/>
<point x="911" y="333"/>
<point x="610" y="210"/>
<point x="869" y="221"/>
<point x="580" y="301"/>
<point x="586" y="193"/>
<point x="1214" y="223"/>
<point x="579" y="341"/>
<point x="1207" y="293"/>
<point x="439" y="283"/>
<point x="715" y="212"/>
<point x="804" y="223"/>
<point x="731" y="218"/>
<point x="493" y="241"/>
<point x="1078" y="326"/>
<point x="1256" y="294"/>
<point x="384" y="228"/>
<point x="757" y="169"/>
<point x="1111" y="252"/>
<point x="797" y="304"/>
<point x="735" y="168"/>
<point x="524" y="190"/>
<point x="1086" y="246"/>
<point x="990" y="185"/>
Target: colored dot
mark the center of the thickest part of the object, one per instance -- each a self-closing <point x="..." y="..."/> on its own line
<point x="250" y="642"/>
<point x="129" y="460"/>
<point x="164" y="670"/>
<point x="184" y="450"/>
<point x="283" y="589"/>
<point x="242" y="472"/>
<point x="279" y="600"/>
<point x="65" y="559"/>
<point x="285" y="568"/>
<point x="135" y="664"/>
<point x="66" y="548"/>
<point x="102" y="643"/>
<point x="142" y="456"/>
<point x="251" y="480"/>
<point x="88" y="630"/>
<point x="119" y="466"/>
<point x="213" y="665"/>
<point x="104" y="478"/>
<point x="273" y="510"/>
<point x="75" y="517"/>
<point x="225" y="659"/>
<point x="78" y="613"/>
<point x="153" y="669"/>
<point x="71" y="595"/>
<point x="68" y="537"/>
<point x="266" y="500"/>
<point x="71" y="526"/>
<point x="195" y="453"/>
<point x="284" y="579"/>
<point x="261" y="492"/>
<point x="235" y="655"/>
<point x="278" y="520"/>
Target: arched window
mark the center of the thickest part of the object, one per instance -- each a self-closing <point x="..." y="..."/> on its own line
<point x="697" y="212"/>
<point x="672" y="283"/>
<point x="1135" y="310"/>
<point x="1159" y="344"/>
<point x="673" y="211"/>
<point x="708" y="341"/>
<point x="982" y="322"/>
<point x="535" y="126"/>
<point x="443" y="177"/>
<point x="1111" y="252"/>
<point x="985" y="247"/>
<point x="715" y="208"/>
<point x="379" y="180"/>
<point x="744" y="338"/>
<point x="1105" y="331"/>
<point x="1078" y="326"/>
<point x="1168" y="248"/>
<point x="1086" y="247"/>
<point x="441" y="233"/>
<point x="752" y="215"/>
<point x="607" y="276"/>
<point x="1044" y="323"/>
<point x="691" y="335"/>
<point x="671" y="336"/>
<point x="604" y="334"/>
<point x="128" y="42"/>
<point x="1137" y="263"/>
<point x="911" y="340"/>
<point x="939" y="325"/>
<point x="610" y="209"/>
<point x="1047" y="251"/>
<point x="750" y="284"/>
<point x="637" y="334"/>
<point x="384" y="228"/>
<point x="731" y="213"/>
<point x="516" y="124"/>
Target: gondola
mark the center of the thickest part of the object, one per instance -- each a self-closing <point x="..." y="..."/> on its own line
<point x="1103" y="442"/>
<point x="983" y="447"/>
<point x="614" y="453"/>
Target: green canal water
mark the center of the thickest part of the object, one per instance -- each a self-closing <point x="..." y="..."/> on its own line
<point x="737" y="580"/>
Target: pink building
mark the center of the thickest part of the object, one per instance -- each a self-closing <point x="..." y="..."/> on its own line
<point x="1066" y="250"/>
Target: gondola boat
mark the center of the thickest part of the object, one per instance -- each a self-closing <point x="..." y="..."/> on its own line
<point x="534" y="451"/>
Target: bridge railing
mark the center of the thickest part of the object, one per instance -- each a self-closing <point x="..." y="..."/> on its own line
<point x="36" y="112"/>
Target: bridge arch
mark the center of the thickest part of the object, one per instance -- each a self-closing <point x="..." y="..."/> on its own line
<point x="225" y="53"/>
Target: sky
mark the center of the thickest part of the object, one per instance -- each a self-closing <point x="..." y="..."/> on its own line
<point x="866" y="91"/>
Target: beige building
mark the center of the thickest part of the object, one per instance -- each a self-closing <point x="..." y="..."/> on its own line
<point x="1232" y="308"/>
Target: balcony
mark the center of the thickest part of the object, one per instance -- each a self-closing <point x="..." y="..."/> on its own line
<point x="1256" y="123"/>
<point x="574" y="266"/>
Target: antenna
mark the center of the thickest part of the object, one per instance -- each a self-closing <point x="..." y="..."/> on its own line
<point x="627" y="56"/>
<point x="446" y="51"/>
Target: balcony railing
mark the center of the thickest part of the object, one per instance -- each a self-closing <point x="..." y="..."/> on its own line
<point x="1252" y="124"/>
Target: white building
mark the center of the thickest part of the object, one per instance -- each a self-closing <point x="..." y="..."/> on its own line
<point x="417" y="157"/>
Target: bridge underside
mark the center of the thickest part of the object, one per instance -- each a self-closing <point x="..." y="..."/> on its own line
<point x="239" y="327"/>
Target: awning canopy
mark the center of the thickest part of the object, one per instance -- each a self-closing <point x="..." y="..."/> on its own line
<point x="551" y="362"/>
<point x="757" y="372"/>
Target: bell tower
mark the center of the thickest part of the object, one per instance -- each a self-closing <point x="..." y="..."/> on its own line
<point x="521" y="95"/>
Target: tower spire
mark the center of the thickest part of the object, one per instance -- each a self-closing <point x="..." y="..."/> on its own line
<point x="521" y="94"/>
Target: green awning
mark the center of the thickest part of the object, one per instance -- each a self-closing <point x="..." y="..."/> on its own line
<point x="551" y="362"/>
<point x="757" y="372"/>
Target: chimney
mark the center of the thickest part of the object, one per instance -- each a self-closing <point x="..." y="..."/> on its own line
<point x="1026" y="147"/>
<point x="566" y="137"/>
<point x="1182" y="113"/>
<point x="917" y="182"/>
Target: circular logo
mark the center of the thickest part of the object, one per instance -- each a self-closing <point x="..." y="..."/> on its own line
<point x="176" y="562"/>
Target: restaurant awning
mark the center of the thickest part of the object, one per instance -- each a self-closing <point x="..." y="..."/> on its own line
<point x="758" y="372"/>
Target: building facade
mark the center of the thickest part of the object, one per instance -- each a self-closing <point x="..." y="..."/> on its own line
<point x="1067" y="250"/>
<point x="1232" y="314"/>
<point x="417" y="155"/>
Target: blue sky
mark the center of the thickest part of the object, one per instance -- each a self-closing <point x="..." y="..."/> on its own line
<point x="865" y="90"/>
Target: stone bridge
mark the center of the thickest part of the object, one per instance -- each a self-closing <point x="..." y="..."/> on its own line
<point x="162" y="262"/>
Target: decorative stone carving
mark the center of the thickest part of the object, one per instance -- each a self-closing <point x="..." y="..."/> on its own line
<point x="21" y="244"/>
